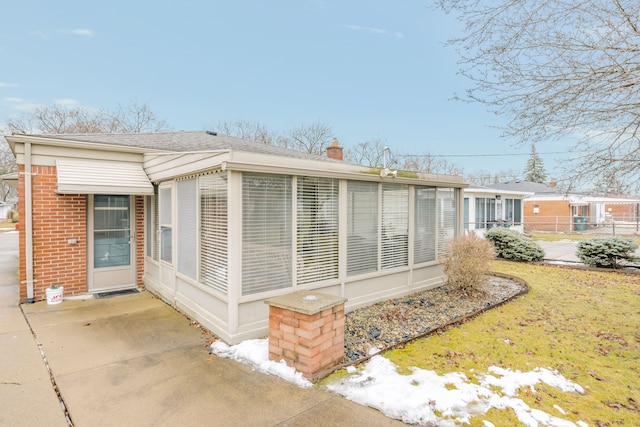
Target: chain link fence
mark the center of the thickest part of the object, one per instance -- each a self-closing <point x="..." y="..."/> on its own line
<point x="559" y="236"/>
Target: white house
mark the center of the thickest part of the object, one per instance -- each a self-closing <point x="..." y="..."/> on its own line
<point x="486" y="207"/>
<point x="214" y="224"/>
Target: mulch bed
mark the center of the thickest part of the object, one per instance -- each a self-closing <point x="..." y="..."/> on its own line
<point x="395" y="322"/>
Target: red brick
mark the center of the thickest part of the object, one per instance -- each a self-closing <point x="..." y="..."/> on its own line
<point x="286" y="328"/>
<point x="308" y="317"/>
<point x="290" y="321"/>
<point x="311" y="325"/>
<point x="306" y="351"/>
<point x="286" y="345"/>
<point x="308" y="334"/>
<point x="292" y="338"/>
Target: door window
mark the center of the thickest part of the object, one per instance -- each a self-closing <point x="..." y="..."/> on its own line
<point x="111" y="231"/>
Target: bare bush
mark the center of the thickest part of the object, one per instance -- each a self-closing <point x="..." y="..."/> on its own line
<point x="467" y="263"/>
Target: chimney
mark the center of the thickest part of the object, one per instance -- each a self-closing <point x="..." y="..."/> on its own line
<point x="553" y="184"/>
<point x="335" y="151"/>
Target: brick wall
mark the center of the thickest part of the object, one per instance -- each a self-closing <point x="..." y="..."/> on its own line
<point x="139" y="233"/>
<point x="56" y="219"/>
<point x="621" y="212"/>
<point x="553" y="215"/>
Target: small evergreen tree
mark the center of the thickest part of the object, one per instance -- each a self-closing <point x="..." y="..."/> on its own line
<point x="535" y="172"/>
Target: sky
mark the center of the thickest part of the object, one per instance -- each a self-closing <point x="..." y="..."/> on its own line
<point x="370" y="70"/>
<point x="424" y="397"/>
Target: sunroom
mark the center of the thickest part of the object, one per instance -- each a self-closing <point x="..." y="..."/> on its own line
<point x="226" y="229"/>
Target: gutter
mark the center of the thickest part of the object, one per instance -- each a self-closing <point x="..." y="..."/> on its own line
<point x="28" y="226"/>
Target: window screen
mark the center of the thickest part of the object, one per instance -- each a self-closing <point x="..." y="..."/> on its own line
<point x="446" y="217"/>
<point x="187" y="227"/>
<point x="149" y="226"/>
<point x="395" y="225"/>
<point x="317" y="229"/>
<point x="213" y="231"/>
<point x="362" y="227"/>
<point x="425" y="224"/>
<point x="165" y="225"/>
<point x="266" y="233"/>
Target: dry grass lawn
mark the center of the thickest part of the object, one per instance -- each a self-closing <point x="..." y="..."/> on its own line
<point x="584" y="324"/>
<point x="7" y="223"/>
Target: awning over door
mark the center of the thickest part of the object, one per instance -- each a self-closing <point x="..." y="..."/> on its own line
<point x="85" y="176"/>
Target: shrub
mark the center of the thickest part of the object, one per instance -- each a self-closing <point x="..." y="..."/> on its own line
<point x="606" y="252"/>
<point x="12" y="215"/>
<point x="510" y="244"/>
<point x="467" y="263"/>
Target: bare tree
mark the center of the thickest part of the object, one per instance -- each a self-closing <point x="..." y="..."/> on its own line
<point x="313" y="138"/>
<point x="253" y="131"/>
<point x="372" y="153"/>
<point x="484" y="178"/>
<point x="57" y="119"/>
<point x="368" y="153"/>
<point x="558" y="69"/>
<point x="7" y="165"/>
<point x="133" y="118"/>
<point x="428" y="163"/>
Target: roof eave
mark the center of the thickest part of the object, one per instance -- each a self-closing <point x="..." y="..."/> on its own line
<point x="61" y="142"/>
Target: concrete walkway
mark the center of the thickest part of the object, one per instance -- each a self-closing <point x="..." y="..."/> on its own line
<point x="133" y="360"/>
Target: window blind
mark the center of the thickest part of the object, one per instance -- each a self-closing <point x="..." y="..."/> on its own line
<point x="395" y="225"/>
<point x="446" y="217"/>
<point x="148" y="226"/>
<point x="266" y="232"/>
<point x="317" y="229"/>
<point x="165" y="225"/>
<point x="517" y="211"/>
<point x="481" y="219"/>
<point x="187" y="227"/>
<point x="213" y="231"/>
<point x="424" y="246"/>
<point x="155" y="236"/>
<point x="362" y="227"/>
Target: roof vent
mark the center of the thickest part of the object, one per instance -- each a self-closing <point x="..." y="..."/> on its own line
<point x="212" y="133"/>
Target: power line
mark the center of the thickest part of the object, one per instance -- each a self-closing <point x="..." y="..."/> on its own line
<point x="479" y="155"/>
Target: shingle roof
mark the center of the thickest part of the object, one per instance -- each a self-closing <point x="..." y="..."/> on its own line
<point x="185" y="141"/>
<point x="527" y="187"/>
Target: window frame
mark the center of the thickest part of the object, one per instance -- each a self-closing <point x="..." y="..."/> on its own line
<point x="363" y="253"/>
<point x="165" y="224"/>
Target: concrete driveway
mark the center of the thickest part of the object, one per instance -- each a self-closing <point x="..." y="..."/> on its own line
<point x="133" y="360"/>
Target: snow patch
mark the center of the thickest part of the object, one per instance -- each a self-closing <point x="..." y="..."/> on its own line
<point x="425" y="397"/>
<point x="256" y="354"/>
<point x="422" y="397"/>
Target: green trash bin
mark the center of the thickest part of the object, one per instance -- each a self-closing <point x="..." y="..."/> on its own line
<point x="579" y="223"/>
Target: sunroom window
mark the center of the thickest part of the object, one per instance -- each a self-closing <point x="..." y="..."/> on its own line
<point x="424" y="224"/>
<point x="395" y="225"/>
<point x="446" y="217"/>
<point x="266" y="233"/>
<point x="317" y="229"/>
<point x="213" y="231"/>
<point x="513" y="211"/>
<point x="187" y="227"/>
<point x="362" y="227"/>
<point x="165" y="225"/>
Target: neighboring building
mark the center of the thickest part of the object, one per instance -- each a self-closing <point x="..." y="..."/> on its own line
<point x="4" y="209"/>
<point x="549" y="209"/>
<point x="487" y="207"/>
<point x="215" y="224"/>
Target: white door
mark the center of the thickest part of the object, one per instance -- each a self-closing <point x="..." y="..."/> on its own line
<point x="111" y="245"/>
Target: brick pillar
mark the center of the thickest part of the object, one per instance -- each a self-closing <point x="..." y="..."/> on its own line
<point x="306" y="330"/>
